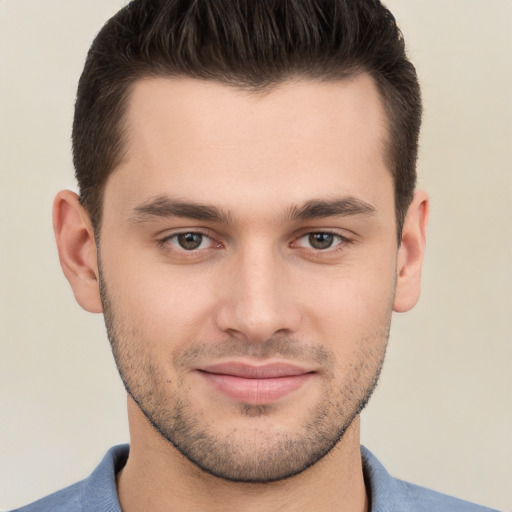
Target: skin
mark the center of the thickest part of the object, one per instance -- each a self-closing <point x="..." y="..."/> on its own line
<point x="257" y="290"/>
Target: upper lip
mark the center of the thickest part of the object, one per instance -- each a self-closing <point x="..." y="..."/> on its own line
<point x="250" y="371"/>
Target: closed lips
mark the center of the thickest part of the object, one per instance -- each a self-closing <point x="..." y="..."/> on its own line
<point x="256" y="385"/>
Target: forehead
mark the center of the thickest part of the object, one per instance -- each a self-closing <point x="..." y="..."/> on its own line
<point x="300" y="110"/>
<point x="301" y="139"/>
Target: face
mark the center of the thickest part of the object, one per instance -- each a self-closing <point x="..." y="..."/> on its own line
<point x="248" y="264"/>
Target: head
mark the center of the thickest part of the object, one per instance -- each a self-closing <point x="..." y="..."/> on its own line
<point x="242" y="186"/>
<point x="249" y="45"/>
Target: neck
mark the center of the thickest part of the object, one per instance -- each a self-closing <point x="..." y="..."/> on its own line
<point x="158" y="478"/>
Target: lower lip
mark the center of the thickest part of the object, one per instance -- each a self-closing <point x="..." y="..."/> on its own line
<point x="255" y="391"/>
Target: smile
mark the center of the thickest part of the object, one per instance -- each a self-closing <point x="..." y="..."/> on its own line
<point x="256" y="385"/>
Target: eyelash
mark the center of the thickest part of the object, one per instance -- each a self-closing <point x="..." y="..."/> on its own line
<point x="342" y="241"/>
<point x="164" y="244"/>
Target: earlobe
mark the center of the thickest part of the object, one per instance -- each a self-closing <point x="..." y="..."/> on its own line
<point x="77" y="249"/>
<point x="411" y="252"/>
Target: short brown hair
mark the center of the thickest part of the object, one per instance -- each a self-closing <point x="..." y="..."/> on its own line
<point x="250" y="44"/>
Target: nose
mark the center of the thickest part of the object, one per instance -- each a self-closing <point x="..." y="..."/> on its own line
<point x="257" y="297"/>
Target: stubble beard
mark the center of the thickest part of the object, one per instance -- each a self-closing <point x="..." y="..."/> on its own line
<point x="262" y="454"/>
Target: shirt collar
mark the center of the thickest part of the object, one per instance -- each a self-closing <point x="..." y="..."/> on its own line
<point x="100" y="491"/>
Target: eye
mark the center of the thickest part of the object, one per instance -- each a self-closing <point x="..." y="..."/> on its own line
<point x="190" y="241"/>
<point x="320" y="240"/>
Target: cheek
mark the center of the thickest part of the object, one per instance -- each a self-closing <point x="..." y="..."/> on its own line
<point x="352" y="302"/>
<point x="163" y="306"/>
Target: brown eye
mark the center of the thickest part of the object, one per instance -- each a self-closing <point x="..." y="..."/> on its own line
<point x="321" y="240"/>
<point x="190" y="241"/>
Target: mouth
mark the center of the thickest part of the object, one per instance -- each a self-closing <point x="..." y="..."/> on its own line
<point x="256" y="384"/>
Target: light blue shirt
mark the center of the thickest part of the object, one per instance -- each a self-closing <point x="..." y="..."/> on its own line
<point x="98" y="492"/>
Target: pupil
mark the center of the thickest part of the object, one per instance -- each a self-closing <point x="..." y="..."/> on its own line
<point x="190" y="241"/>
<point x="321" y="240"/>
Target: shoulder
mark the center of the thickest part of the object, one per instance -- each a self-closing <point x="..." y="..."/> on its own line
<point x="426" y="500"/>
<point x="389" y="494"/>
<point x="67" y="499"/>
<point x="97" y="492"/>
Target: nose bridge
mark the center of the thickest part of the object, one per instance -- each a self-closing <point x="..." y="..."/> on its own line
<point x="257" y="304"/>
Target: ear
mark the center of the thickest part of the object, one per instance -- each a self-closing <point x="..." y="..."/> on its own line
<point x="410" y="253"/>
<point x="77" y="249"/>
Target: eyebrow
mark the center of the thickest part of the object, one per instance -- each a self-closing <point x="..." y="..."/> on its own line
<point x="165" y="207"/>
<point x="347" y="206"/>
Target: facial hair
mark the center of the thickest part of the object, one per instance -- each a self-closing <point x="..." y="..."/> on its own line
<point x="263" y="453"/>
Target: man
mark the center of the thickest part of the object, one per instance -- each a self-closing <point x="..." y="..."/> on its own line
<point x="247" y="222"/>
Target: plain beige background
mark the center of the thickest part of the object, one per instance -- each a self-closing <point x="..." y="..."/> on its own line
<point x="442" y="415"/>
